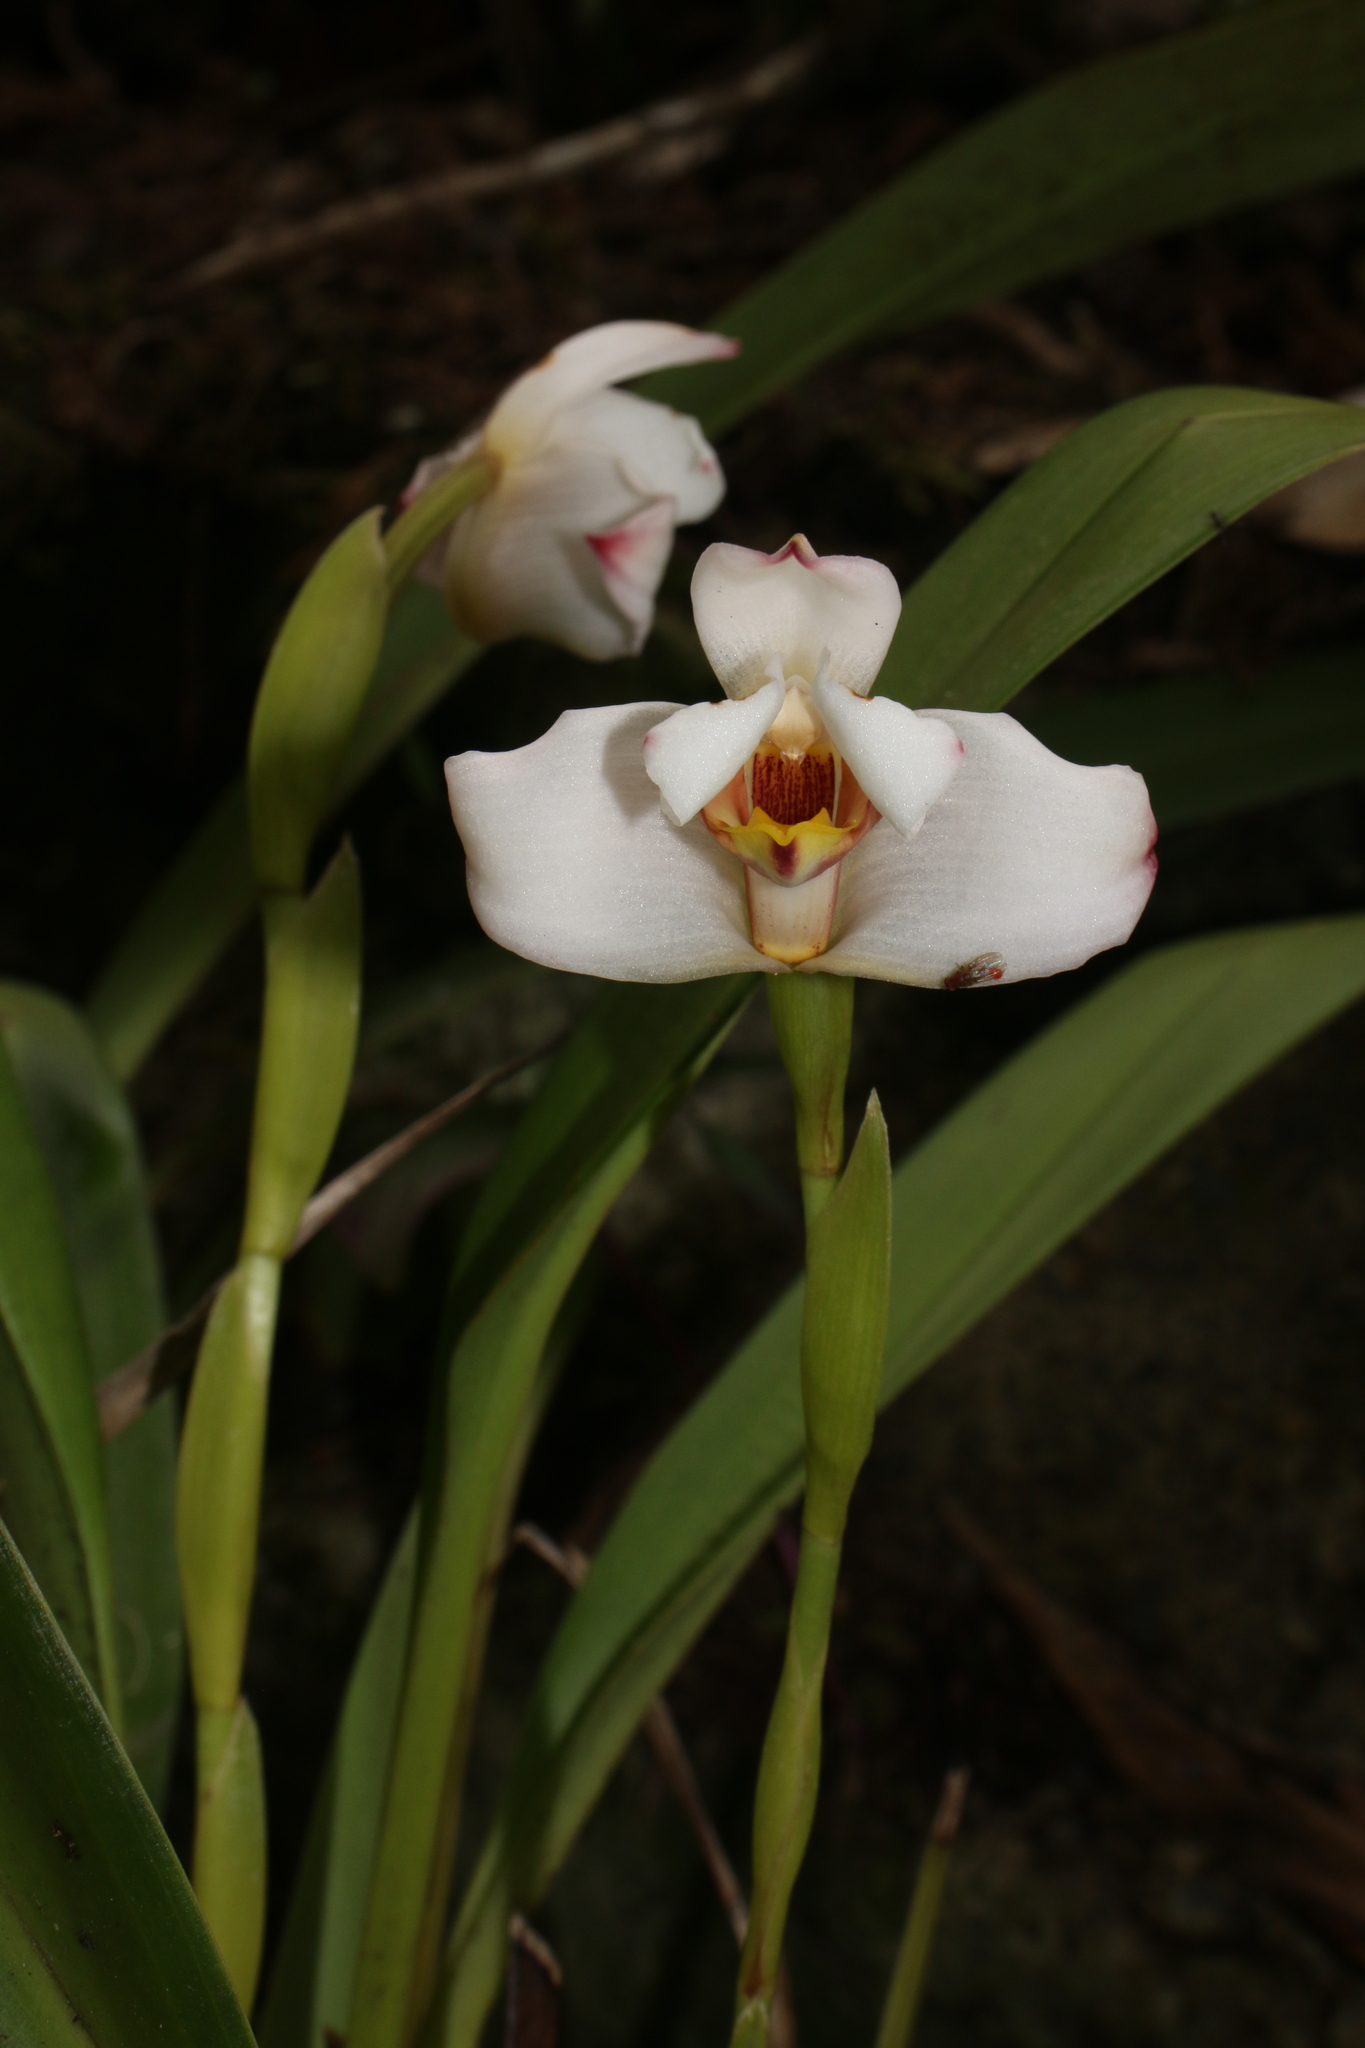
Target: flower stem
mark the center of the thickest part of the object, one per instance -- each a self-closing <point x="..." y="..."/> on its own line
<point x="848" y="1264"/>
<point x="813" y="1017"/>
<point x="430" y="514"/>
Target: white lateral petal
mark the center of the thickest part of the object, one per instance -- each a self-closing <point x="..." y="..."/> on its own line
<point x="904" y="762"/>
<point x="572" y="863"/>
<point x="1027" y="864"/>
<point x="520" y="559"/>
<point x="693" y="754"/>
<point x="660" y="453"/>
<point x="589" y="362"/>
<point x="632" y="558"/>
<point x="795" y="604"/>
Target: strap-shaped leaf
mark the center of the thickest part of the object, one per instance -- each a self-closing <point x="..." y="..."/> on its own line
<point x="207" y="894"/>
<point x="88" y="1139"/>
<point x="1213" y="744"/>
<point x="636" y="1048"/>
<point x="1119" y="503"/>
<point x="51" y="1459"/>
<point x="100" y="1938"/>
<point x="314" y="1975"/>
<point x="1264" y="103"/>
<point x="1001" y="1183"/>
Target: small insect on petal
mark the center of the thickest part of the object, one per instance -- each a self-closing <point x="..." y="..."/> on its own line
<point x="978" y="973"/>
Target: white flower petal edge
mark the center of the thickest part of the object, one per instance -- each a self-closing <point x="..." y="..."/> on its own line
<point x="1026" y="866"/>
<point x="795" y="603"/>
<point x="572" y="863"/>
<point x="571" y="539"/>
<point x="903" y="761"/>
<point x="693" y="754"/>
<point x="586" y="363"/>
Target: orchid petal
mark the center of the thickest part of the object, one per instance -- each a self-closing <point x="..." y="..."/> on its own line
<point x="1026" y="866"/>
<point x="522" y="559"/>
<point x="902" y="761"/>
<point x="572" y="863"/>
<point x="798" y="605"/>
<point x="693" y="754"/>
<point x="659" y="453"/>
<point x="587" y="363"/>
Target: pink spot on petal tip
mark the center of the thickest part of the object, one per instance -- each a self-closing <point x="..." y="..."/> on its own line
<point x="614" y="549"/>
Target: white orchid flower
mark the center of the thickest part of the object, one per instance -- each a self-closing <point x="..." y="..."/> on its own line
<point x="801" y="822"/>
<point x="570" y="542"/>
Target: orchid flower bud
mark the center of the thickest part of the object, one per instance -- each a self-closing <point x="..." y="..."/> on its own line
<point x="572" y="539"/>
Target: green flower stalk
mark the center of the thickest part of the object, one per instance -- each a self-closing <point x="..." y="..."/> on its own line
<point x="310" y="699"/>
<point x="848" y="1266"/>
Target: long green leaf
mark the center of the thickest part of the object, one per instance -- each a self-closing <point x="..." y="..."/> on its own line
<point x="207" y="895"/>
<point x="86" y="1133"/>
<point x="1005" y="1180"/>
<point x="588" y="1130"/>
<point x="314" y="1975"/>
<point x="51" y="1459"/>
<point x="626" y="1057"/>
<point x="1214" y="744"/>
<point x="1119" y="503"/>
<point x="1262" y="104"/>
<point x="100" y="1938"/>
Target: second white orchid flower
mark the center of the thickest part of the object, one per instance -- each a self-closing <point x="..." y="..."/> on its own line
<point x="801" y="823"/>
<point x="570" y="542"/>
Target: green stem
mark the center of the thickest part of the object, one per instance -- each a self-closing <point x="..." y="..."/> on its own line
<point x="908" y="1975"/>
<point x="813" y="1017"/>
<point x="430" y="514"/>
<point x="788" y="1780"/>
<point x="843" y="1330"/>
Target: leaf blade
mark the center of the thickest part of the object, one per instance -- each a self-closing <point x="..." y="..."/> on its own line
<point x="45" y="1344"/>
<point x="1253" y="108"/>
<point x="95" y="1906"/>
<point x="1098" y="519"/>
<point x="1211" y="745"/>
<point x="1097" y="1098"/>
<point x="89" y="1141"/>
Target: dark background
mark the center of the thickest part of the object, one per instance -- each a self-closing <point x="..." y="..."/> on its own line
<point x="1165" y="1427"/>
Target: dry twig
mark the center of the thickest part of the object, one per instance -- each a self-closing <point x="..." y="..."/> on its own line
<point x="670" y="1753"/>
<point x="125" y="1393"/>
<point x="567" y="154"/>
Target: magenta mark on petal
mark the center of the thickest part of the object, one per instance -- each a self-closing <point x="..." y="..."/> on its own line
<point x="613" y="550"/>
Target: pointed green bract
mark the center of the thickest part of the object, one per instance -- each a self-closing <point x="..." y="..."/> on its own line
<point x="51" y="1459"/>
<point x="315" y="682"/>
<point x="100" y="1938"/>
<point x="1262" y="104"/>
<point x="229" y="1841"/>
<point x="843" y="1327"/>
<point x="218" y="1489"/>
<point x="308" y="1039"/>
<point x="1121" y="501"/>
<point x="1002" y="1182"/>
<point x="89" y="1144"/>
<point x="207" y="895"/>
